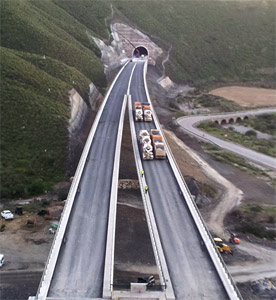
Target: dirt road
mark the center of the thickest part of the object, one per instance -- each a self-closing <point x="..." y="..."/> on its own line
<point x="264" y="267"/>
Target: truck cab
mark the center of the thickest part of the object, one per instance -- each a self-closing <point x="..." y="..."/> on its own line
<point x="138" y="111"/>
<point x="159" y="147"/>
<point x="147" y="112"/>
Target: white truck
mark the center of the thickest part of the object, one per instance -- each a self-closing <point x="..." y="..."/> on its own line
<point x="138" y="111"/>
<point x="147" y="112"/>
<point x="145" y="141"/>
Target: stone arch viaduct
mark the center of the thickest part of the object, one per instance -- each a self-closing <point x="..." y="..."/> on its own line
<point x="230" y="119"/>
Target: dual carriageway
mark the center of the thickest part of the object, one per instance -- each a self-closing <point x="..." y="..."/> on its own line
<point x="80" y="264"/>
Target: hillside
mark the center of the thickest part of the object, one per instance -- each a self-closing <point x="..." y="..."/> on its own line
<point x="211" y="40"/>
<point x="45" y="52"/>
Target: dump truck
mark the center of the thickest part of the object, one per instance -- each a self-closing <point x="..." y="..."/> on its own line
<point x="154" y="132"/>
<point x="223" y="248"/>
<point x="138" y="111"/>
<point x="158" y="144"/>
<point x="146" y="146"/>
<point x="147" y="112"/>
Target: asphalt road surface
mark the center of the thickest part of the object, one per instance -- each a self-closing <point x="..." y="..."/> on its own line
<point x="192" y="272"/>
<point x="188" y="125"/>
<point x="80" y="266"/>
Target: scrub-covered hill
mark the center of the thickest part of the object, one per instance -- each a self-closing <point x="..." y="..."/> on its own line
<point x="211" y="40"/>
<point x="45" y="52"/>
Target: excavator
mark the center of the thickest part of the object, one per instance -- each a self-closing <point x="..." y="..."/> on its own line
<point x="223" y="248"/>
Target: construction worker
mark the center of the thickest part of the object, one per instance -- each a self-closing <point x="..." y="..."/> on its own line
<point x="146" y="188"/>
<point x="142" y="173"/>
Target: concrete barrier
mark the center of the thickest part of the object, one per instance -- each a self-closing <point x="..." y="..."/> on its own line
<point x="154" y="235"/>
<point x="110" y="241"/>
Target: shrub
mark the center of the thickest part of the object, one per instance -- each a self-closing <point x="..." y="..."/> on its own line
<point x="257" y="229"/>
<point x="174" y="105"/>
<point x="251" y="133"/>
<point x="256" y="208"/>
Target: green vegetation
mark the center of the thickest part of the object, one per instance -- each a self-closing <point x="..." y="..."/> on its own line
<point x="207" y="190"/>
<point x="247" y="140"/>
<point x="211" y="40"/>
<point x="263" y="123"/>
<point x="215" y="104"/>
<point x="51" y="32"/>
<point x="236" y="161"/>
<point x="93" y="14"/>
<point x="47" y="49"/>
<point x="33" y="207"/>
<point x="233" y="159"/>
<point x="33" y="128"/>
<point x="218" y="104"/>
<point x="252" y="219"/>
<point x="257" y="229"/>
<point x="45" y="52"/>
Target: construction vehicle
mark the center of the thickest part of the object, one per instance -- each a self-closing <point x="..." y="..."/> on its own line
<point x="223" y="248"/>
<point x="146" y="145"/>
<point x="154" y="132"/>
<point x="158" y="144"/>
<point x="234" y="238"/>
<point x="138" y="111"/>
<point x="147" y="112"/>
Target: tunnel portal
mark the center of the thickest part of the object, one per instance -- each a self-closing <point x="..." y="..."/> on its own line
<point x="140" y="51"/>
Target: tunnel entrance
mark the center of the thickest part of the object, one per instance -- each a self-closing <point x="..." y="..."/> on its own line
<point x="140" y="51"/>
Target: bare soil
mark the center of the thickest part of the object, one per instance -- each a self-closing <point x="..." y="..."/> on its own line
<point x="261" y="289"/>
<point x="133" y="249"/>
<point x="25" y="247"/>
<point x="247" y="96"/>
<point x="26" y="250"/>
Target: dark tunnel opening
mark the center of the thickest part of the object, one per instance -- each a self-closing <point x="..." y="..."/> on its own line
<point x="140" y="51"/>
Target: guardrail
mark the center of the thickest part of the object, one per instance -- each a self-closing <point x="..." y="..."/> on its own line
<point x="126" y="287"/>
<point x="110" y="241"/>
<point x="56" y="245"/>
<point x="218" y="262"/>
<point x="154" y="235"/>
<point x="238" y="112"/>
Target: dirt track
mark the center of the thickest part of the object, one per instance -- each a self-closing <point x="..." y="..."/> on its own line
<point x="264" y="267"/>
<point x="247" y="96"/>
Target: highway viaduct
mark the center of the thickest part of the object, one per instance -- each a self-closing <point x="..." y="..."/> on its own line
<point x="80" y="263"/>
